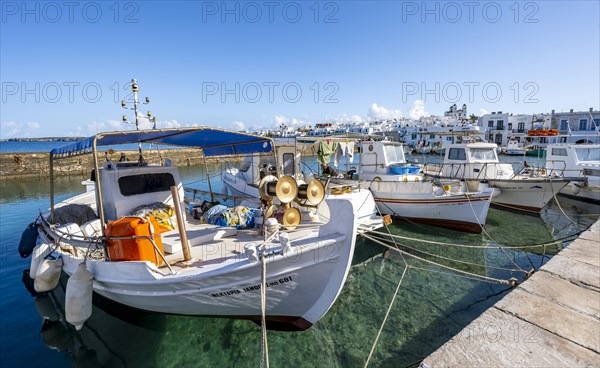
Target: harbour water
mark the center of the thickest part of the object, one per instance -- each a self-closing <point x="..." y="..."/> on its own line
<point x="433" y="304"/>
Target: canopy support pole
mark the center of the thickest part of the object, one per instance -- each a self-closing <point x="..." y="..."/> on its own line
<point x="185" y="245"/>
<point x="51" y="189"/>
<point x="212" y="196"/>
<point x="99" y="205"/>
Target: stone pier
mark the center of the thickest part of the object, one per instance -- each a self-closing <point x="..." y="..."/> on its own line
<point x="551" y="320"/>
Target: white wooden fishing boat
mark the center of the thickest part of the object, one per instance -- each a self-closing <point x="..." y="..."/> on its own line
<point x="401" y="189"/>
<point x="476" y="162"/>
<point x="219" y="274"/>
<point x="577" y="160"/>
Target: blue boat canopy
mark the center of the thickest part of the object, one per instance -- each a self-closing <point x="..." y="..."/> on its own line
<point x="212" y="141"/>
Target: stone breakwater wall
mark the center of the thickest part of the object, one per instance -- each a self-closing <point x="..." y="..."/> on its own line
<point x="37" y="164"/>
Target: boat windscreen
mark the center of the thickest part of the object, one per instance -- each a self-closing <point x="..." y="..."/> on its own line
<point x="394" y="154"/>
<point x="588" y="154"/>
<point x="483" y="154"/>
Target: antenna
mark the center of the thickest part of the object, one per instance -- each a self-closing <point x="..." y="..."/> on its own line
<point x="135" y="89"/>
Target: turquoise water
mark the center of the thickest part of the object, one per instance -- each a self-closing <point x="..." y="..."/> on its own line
<point x="431" y="306"/>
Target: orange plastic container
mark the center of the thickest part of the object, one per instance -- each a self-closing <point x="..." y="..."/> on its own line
<point x="134" y="249"/>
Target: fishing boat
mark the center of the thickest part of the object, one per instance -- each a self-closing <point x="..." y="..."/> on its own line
<point x="130" y="240"/>
<point x="513" y="148"/>
<point x="577" y="160"/>
<point x="402" y="190"/>
<point x="522" y="188"/>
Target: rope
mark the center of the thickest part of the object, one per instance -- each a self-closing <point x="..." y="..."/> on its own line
<point x="387" y="313"/>
<point x="264" y="350"/>
<point x="558" y="203"/>
<point x="555" y="242"/>
<point x="458" y="261"/>
<point x="511" y="282"/>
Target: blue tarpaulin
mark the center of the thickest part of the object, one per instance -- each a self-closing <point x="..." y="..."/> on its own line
<point x="212" y="141"/>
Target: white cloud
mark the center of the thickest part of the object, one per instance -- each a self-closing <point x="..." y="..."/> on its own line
<point x="168" y="124"/>
<point x="238" y="125"/>
<point x="417" y="110"/>
<point x="483" y="112"/>
<point x="345" y="118"/>
<point x="33" y="125"/>
<point x="9" y="129"/>
<point x="378" y="112"/>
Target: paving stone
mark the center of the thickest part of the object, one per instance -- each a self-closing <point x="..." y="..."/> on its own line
<point x="498" y="339"/>
<point x="572" y="325"/>
<point x="575" y="271"/>
<point x="563" y="292"/>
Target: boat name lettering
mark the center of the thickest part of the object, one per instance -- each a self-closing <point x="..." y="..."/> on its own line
<point x="282" y="280"/>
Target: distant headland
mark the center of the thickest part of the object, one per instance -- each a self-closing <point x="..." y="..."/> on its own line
<point x="46" y="139"/>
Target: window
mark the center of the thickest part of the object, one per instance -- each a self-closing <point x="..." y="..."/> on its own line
<point x="595" y="125"/>
<point x="432" y="136"/>
<point x="564" y="125"/>
<point x="543" y="139"/>
<point x="483" y="154"/>
<point x="588" y="154"/>
<point x="146" y="183"/>
<point x="559" y="152"/>
<point x="394" y="154"/>
<point x="498" y="139"/>
<point x="490" y="137"/>
<point x="490" y="124"/>
<point x="450" y="139"/>
<point x="509" y="126"/>
<point x="457" y="154"/>
<point x="521" y="128"/>
<point x="500" y="125"/>
<point x="414" y="136"/>
<point x="563" y="139"/>
<point x="582" y="124"/>
<point x="288" y="164"/>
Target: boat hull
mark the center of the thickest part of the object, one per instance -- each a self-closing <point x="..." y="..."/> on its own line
<point x="462" y="213"/>
<point x="302" y="284"/>
<point x="527" y="195"/>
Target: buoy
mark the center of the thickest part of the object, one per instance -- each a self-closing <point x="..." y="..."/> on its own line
<point x="447" y="188"/>
<point x="48" y="274"/>
<point x="575" y="188"/>
<point x="28" y="239"/>
<point x="39" y="252"/>
<point x="78" y="300"/>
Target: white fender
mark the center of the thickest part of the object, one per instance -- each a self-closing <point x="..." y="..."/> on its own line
<point x="78" y="300"/>
<point x="48" y="274"/>
<point x="39" y="252"/>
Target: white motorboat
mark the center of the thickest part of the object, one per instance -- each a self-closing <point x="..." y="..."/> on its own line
<point x="244" y="180"/>
<point x="513" y="148"/>
<point x="401" y="189"/>
<point x="576" y="160"/>
<point x="218" y="271"/>
<point x="476" y="162"/>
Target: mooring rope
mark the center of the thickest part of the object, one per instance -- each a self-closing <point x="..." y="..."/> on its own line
<point x="554" y="242"/>
<point x="456" y="260"/>
<point x="511" y="282"/>
<point x="387" y="313"/>
<point x="264" y="352"/>
<point x="490" y="237"/>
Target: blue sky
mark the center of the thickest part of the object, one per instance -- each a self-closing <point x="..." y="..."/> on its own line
<point x="64" y="68"/>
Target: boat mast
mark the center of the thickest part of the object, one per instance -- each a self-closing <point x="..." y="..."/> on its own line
<point x="134" y="89"/>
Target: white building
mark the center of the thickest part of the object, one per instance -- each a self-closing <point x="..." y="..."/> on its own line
<point x="578" y="126"/>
